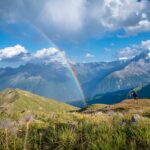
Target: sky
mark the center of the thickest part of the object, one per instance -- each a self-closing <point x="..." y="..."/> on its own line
<point x="79" y="30"/>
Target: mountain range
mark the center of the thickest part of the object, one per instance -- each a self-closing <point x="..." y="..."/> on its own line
<point x="54" y="80"/>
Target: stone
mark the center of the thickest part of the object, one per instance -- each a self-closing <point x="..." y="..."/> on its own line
<point x="135" y="118"/>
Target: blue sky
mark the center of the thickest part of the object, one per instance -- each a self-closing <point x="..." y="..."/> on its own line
<point x="84" y="30"/>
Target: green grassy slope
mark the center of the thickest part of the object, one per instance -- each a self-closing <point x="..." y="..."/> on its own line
<point x="145" y="92"/>
<point x="12" y="101"/>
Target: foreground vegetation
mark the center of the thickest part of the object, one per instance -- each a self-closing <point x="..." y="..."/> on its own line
<point x="74" y="131"/>
<point x="98" y="127"/>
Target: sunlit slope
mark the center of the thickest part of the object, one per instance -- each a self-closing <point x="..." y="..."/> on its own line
<point x="17" y="100"/>
<point x="126" y="106"/>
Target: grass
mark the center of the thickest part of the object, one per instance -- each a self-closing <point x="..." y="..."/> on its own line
<point x="76" y="131"/>
<point x="121" y="126"/>
<point x="18" y="101"/>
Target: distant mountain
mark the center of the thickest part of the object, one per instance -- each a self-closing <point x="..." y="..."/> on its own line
<point x="134" y="73"/>
<point x="91" y="74"/>
<point x="50" y="80"/>
<point x="54" y="80"/>
<point x="12" y="101"/>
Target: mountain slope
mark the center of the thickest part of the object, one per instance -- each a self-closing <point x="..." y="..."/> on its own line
<point x="116" y="97"/>
<point x="145" y="91"/>
<point x="92" y="73"/>
<point x="12" y="101"/>
<point x="50" y="80"/>
<point x="132" y="75"/>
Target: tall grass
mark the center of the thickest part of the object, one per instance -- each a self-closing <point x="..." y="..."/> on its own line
<point x="75" y="132"/>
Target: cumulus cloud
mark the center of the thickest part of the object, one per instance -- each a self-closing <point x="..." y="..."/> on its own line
<point x="13" y="52"/>
<point x="46" y="52"/>
<point x="134" y="50"/>
<point x="88" y="55"/>
<point x="74" y="19"/>
<point x="18" y="53"/>
<point x="50" y="55"/>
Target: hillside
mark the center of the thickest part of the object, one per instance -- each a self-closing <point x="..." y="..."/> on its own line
<point x="116" y="97"/>
<point x="140" y="106"/>
<point x="145" y="91"/>
<point x="17" y="101"/>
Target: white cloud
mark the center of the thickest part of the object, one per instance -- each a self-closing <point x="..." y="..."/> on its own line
<point x="88" y="55"/>
<point x="11" y="52"/>
<point x="75" y="19"/>
<point x="134" y="50"/>
<point x="18" y="53"/>
<point x="43" y="53"/>
<point x="50" y="55"/>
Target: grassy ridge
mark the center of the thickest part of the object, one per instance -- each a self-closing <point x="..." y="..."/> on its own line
<point x="16" y="101"/>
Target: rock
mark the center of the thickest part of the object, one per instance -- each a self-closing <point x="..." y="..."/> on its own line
<point x="135" y="118"/>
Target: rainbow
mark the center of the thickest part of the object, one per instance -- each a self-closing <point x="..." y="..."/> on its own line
<point x="70" y="68"/>
<point x="73" y="73"/>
